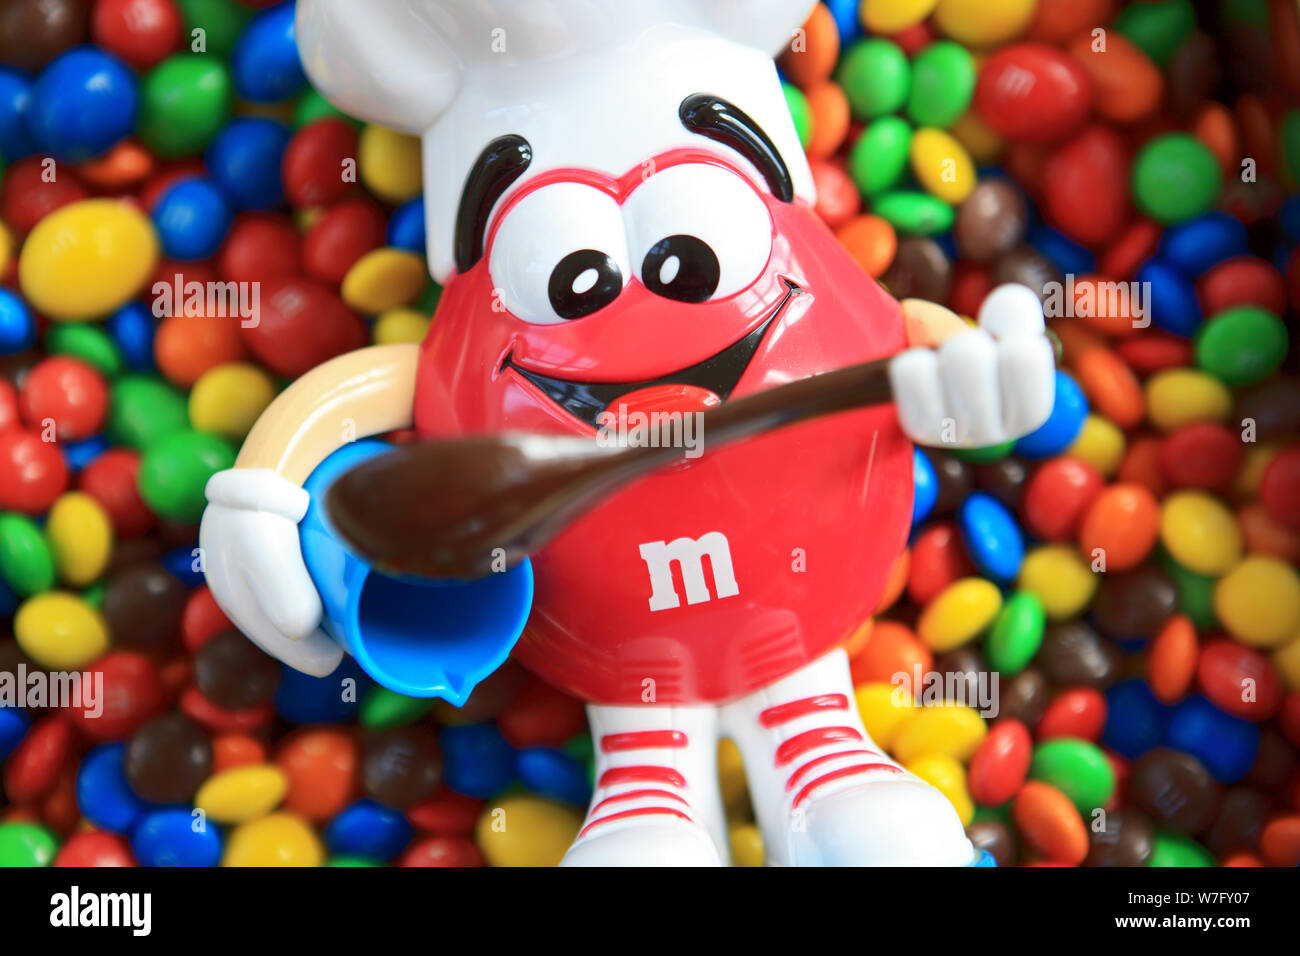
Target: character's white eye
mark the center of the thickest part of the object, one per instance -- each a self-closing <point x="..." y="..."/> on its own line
<point x="561" y="253"/>
<point x="698" y="232"/>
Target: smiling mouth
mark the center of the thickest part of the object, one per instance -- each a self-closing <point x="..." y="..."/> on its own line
<point x="719" y="373"/>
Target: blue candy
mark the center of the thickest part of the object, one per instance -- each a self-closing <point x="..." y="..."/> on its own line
<point x="1172" y="301"/>
<point x="8" y="604"/>
<point x="265" y="60"/>
<point x="83" y="103"/>
<point x="370" y="830"/>
<point x="991" y="536"/>
<point x="192" y="217"/>
<point x="847" y="20"/>
<point x="17" y="326"/>
<point x="479" y="762"/>
<point x="174" y="837"/>
<point x="303" y="699"/>
<point x="926" y="486"/>
<point x="1227" y="745"/>
<point x="13" y="728"/>
<point x="180" y="563"/>
<point x="1289" y="218"/>
<point x="1062" y="427"/>
<point x="132" y="328"/>
<point x="1068" y="256"/>
<point x="15" y="102"/>
<point x="103" y="795"/>
<point x="406" y="226"/>
<point x="1135" y="719"/>
<point x="79" y="454"/>
<point x="244" y="159"/>
<point x="553" y="773"/>
<point x="1200" y="243"/>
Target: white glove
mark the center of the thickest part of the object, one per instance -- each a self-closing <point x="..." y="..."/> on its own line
<point x="252" y="558"/>
<point x="983" y="387"/>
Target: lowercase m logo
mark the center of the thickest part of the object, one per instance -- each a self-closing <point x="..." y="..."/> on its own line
<point x="689" y="554"/>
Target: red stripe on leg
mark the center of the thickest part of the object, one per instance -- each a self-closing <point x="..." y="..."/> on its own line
<point x="817" y="761"/>
<point x="812" y="739"/>
<point x="616" y="775"/>
<point x="641" y="812"/>
<point x="641" y="740"/>
<point x="639" y="795"/>
<point x="838" y="774"/>
<point x="784" y="713"/>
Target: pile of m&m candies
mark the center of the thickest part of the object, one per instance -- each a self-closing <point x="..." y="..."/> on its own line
<point x="1100" y="622"/>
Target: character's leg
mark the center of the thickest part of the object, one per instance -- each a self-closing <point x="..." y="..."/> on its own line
<point x="656" y="801"/>
<point x="823" y="792"/>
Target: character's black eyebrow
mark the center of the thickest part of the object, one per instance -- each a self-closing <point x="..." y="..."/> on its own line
<point x="502" y="162"/>
<point x="726" y="123"/>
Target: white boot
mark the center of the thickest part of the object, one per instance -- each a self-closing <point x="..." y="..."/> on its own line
<point x="824" y="793"/>
<point x="657" y="801"/>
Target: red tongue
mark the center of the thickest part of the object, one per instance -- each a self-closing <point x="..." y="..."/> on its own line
<point x="664" y="398"/>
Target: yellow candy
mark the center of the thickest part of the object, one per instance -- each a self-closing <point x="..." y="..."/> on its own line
<point x="80" y="534"/>
<point x="942" y="165"/>
<point x="1258" y="456"/>
<point x="1181" y="396"/>
<point x="1100" y="443"/>
<point x="6" y="248"/>
<point x="1058" y="576"/>
<point x="383" y="279"/>
<point x="390" y="163"/>
<point x="731" y="778"/>
<point x="883" y="708"/>
<point x="1287" y="660"/>
<point x="983" y="144"/>
<point x="87" y="259"/>
<point x="947" y="776"/>
<point x="894" y="16"/>
<point x="1200" y="533"/>
<point x="1258" y="601"/>
<point x="242" y="794"/>
<point x="953" y="730"/>
<point x="60" y="631"/>
<point x="984" y="22"/>
<point x="228" y="399"/>
<point x="279" y="839"/>
<point x="961" y="611"/>
<point x="746" y="845"/>
<point x="527" y="831"/>
<point x="400" y="326"/>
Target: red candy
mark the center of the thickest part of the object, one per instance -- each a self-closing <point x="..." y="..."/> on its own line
<point x="313" y="165"/>
<point x="1085" y="186"/>
<point x="303" y="324"/>
<point x="838" y="199"/>
<point x="132" y="694"/>
<point x="202" y="619"/>
<point x="1153" y="351"/>
<point x="1034" y="93"/>
<point x="259" y="246"/>
<point x="8" y="404"/>
<point x="94" y="848"/>
<point x="68" y="392"/>
<point x="1078" y="712"/>
<point x="28" y="193"/>
<point x="938" y="560"/>
<point x="1202" y="455"/>
<point x="442" y="851"/>
<point x="1279" y="488"/>
<point x="111" y="480"/>
<point x="32" y="472"/>
<point x="33" y="768"/>
<point x="1057" y="497"/>
<point x="141" y="32"/>
<point x="446" y="813"/>
<point x="1245" y="280"/>
<point x="1239" y="680"/>
<point x="341" y="236"/>
<point x="538" y="715"/>
<point x="1000" y="764"/>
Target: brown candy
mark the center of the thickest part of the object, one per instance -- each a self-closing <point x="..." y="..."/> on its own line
<point x="1134" y="604"/>
<point x="1003" y="480"/>
<point x="1238" y="823"/>
<point x="954" y="480"/>
<point x="143" y="605"/>
<point x="965" y="664"/>
<point x="1029" y="267"/>
<point x="1126" y="838"/>
<point x="921" y="270"/>
<point x="1074" y="654"/>
<point x="996" y="839"/>
<point x="1191" y="75"/>
<point x="233" y="673"/>
<point x="167" y="759"/>
<point x="991" y="221"/>
<point x="1274" y="762"/>
<point x="401" y="766"/>
<point x="1024" y="697"/>
<point x="33" y="32"/>
<point x="1175" y="789"/>
<point x="1273" y="406"/>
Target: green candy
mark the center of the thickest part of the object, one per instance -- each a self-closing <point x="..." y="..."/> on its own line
<point x="26" y="561"/>
<point x="428" y="300"/>
<point x="1158" y="29"/>
<point x="90" y="343"/>
<point x="350" y="861"/>
<point x="94" y="595"/>
<point x="982" y="456"/>
<point x="1175" y="177"/>
<point x="311" y="106"/>
<point x="1174" y="849"/>
<point x="998" y="814"/>
<point x="1242" y="345"/>
<point x="142" y="410"/>
<point x="1252" y="13"/>
<point x="875" y="76"/>
<point x="1195" y="593"/>
<point x="797" y="104"/>
<point x="26" y="844"/>
<point x="175" y="469"/>
<point x="1077" y="768"/>
<point x="220" y="20"/>
<point x="184" y="102"/>
<point x="1288" y="144"/>
<point x="943" y="81"/>
<point x="914" y="213"/>
<point x="381" y="708"/>
<point x="879" y="157"/>
<point x="1016" y="635"/>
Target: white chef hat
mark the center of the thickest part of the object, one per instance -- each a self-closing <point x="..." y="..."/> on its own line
<point x="594" y="84"/>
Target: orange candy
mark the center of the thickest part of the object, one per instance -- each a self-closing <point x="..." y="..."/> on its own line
<point x="890" y="649"/>
<point x="236" y="750"/>
<point x="1263" y="535"/>
<point x="1076" y="338"/>
<point x="1279" y="843"/>
<point x="871" y="241"/>
<point x="124" y="165"/>
<point x="1056" y="21"/>
<point x="1100" y="310"/>
<point x="1111" y="386"/>
<point x="1171" y="660"/>
<point x="1141" y="465"/>
<point x="322" y="766"/>
<point x="1123" y="522"/>
<point x="896" y="581"/>
<point x="810" y="58"/>
<point x="1129" y="86"/>
<point x="830" y="119"/>
<point x="1215" y="126"/>
<point x="186" y="346"/>
<point x="1050" y="823"/>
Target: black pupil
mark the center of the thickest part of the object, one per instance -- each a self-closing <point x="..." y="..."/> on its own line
<point x="682" y="268"/>
<point x="583" y="282"/>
